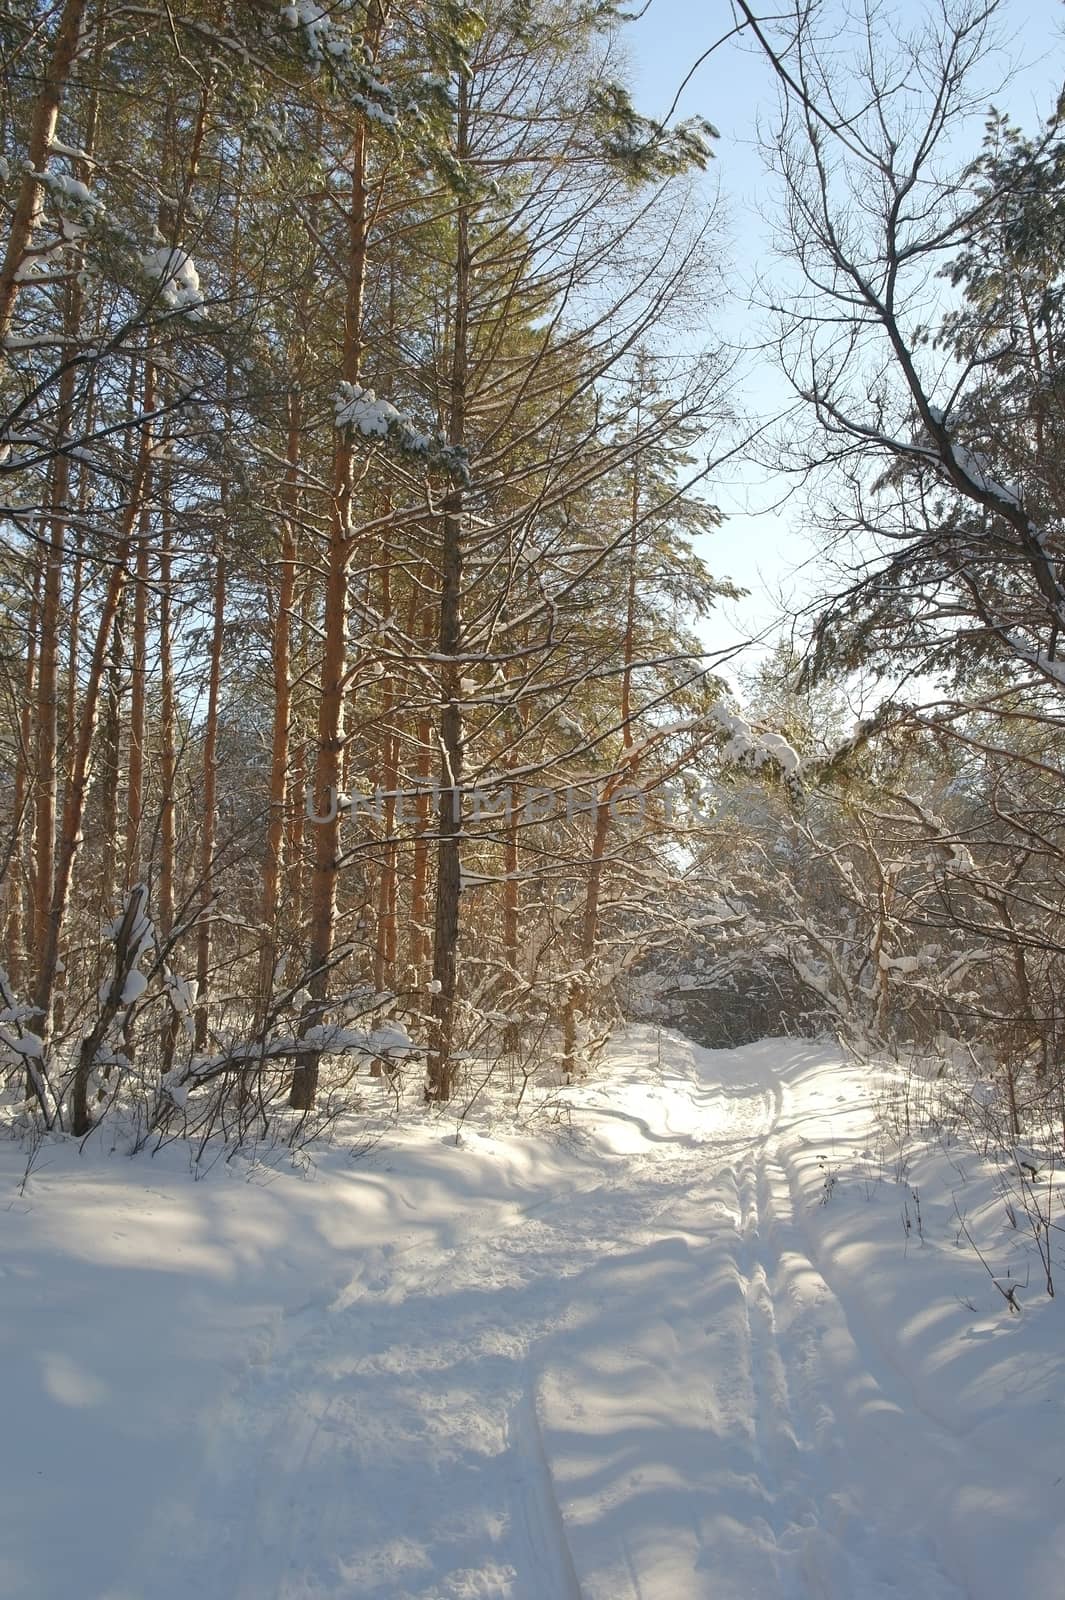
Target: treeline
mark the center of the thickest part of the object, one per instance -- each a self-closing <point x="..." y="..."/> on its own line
<point x="353" y="444"/>
<point x="916" y="900"/>
<point x="360" y="411"/>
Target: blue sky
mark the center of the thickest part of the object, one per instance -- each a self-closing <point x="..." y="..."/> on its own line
<point x="766" y="551"/>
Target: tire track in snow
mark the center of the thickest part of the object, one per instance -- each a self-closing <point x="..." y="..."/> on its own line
<point x="296" y="1409"/>
<point x="535" y="1496"/>
<point x="649" y="1429"/>
<point x="639" y="1389"/>
<point x="808" y="1530"/>
<point x="841" y="1544"/>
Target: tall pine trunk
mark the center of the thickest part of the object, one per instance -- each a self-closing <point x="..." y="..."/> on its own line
<point x="29" y="204"/>
<point x="209" y="828"/>
<point x="329" y="760"/>
<point x="388" y="778"/>
<point x="138" y="692"/>
<point x="167" y="747"/>
<point x="273" y="860"/>
<point x="70" y="832"/>
<point x="53" y="629"/>
<point x="15" y="940"/>
<point x="440" y="1065"/>
<point x="418" y="943"/>
<point x="577" y="991"/>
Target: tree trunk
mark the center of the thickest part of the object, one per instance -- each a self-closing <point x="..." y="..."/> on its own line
<point x="167" y="752"/>
<point x="578" y="987"/>
<point x="73" y="647"/>
<point x="15" y="932"/>
<point x="273" y="862"/>
<point x="440" y="1066"/>
<point x="209" y="831"/>
<point x="138" y="688"/>
<point x="388" y="774"/>
<point x="42" y="131"/>
<point x="418" y="938"/>
<point x="74" y="804"/>
<point x="46" y="774"/>
<point x="296" y="826"/>
<point x="511" y="911"/>
<point x="419" y="890"/>
<point x="328" y="769"/>
<point x="110" y="760"/>
<point x="167" y="713"/>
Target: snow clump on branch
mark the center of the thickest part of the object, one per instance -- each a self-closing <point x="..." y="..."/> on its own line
<point x="175" y="273"/>
<point x="361" y="410"/>
<point x="748" y="747"/>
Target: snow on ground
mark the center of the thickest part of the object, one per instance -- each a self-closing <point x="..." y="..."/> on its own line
<point x="680" y="1345"/>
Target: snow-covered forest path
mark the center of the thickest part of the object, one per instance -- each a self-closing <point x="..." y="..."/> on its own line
<point x="635" y="1359"/>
